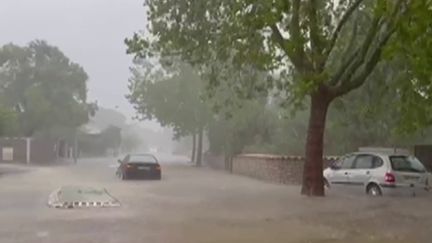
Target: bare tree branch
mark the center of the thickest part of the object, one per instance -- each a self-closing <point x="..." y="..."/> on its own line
<point x="339" y="27"/>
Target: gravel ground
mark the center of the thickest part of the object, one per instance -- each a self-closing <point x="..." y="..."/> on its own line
<point x="199" y="205"/>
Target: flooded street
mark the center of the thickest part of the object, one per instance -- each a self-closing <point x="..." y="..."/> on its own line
<point x="287" y="99"/>
<point x="198" y="205"/>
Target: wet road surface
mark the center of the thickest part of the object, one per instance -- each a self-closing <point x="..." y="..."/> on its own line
<point x="198" y="205"/>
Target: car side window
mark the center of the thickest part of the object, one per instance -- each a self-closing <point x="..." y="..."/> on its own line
<point x="364" y="162"/>
<point x="377" y="162"/>
<point x="337" y="164"/>
<point x="347" y="162"/>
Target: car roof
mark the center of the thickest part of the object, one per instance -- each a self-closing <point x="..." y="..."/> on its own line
<point x="141" y="154"/>
<point x="381" y="154"/>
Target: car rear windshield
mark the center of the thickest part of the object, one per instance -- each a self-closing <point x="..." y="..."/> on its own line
<point x="142" y="158"/>
<point x="406" y="164"/>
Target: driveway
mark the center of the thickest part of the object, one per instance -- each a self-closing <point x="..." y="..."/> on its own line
<point x="198" y="205"/>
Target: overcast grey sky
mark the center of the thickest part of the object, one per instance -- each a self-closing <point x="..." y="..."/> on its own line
<point x="90" y="32"/>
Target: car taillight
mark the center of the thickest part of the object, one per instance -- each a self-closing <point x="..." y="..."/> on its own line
<point x="389" y="178"/>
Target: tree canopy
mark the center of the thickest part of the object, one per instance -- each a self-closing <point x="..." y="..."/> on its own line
<point x="309" y="48"/>
<point x="171" y="94"/>
<point x="43" y="87"/>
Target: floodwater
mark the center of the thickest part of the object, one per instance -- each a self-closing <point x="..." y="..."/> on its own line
<point x="198" y="205"/>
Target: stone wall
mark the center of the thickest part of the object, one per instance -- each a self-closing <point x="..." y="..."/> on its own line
<point x="272" y="168"/>
<point x="42" y="151"/>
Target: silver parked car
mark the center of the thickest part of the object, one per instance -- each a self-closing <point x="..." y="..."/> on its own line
<point x="378" y="174"/>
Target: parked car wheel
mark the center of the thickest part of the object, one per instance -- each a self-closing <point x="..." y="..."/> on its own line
<point x="373" y="190"/>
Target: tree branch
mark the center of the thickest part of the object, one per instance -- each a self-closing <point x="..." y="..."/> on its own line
<point x="347" y="82"/>
<point x="315" y="36"/>
<point x="345" y="59"/>
<point x="296" y="38"/>
<point x="345" y="65"/>
<point x="368" y="66"/>
<point x="277" y="36"/>
<point x="339" y="27"/>
<point x="294" y="26"/>
<point x="353" y="37"/>
<point x="357" y="58"/>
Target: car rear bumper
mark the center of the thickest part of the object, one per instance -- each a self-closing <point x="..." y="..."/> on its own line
<point x="143" y="174"/>
<point x="399" y="190"/>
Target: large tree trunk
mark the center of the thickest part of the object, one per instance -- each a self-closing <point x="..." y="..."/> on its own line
<point x="200" y="147"/>
<point x="193" y="147"/>
<point x="313" y="181"/>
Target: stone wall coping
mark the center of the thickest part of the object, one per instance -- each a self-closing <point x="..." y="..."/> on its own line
<point x="280" y="157"/>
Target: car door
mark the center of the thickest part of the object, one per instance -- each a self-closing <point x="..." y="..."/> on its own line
<point x="340" y="171"/>
<point x="361" y="173"/>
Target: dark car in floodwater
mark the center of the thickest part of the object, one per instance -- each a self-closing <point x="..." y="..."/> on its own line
<point x="139" y="166"/>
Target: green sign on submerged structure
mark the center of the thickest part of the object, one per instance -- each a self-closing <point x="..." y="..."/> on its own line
<point x="81" y="197"/>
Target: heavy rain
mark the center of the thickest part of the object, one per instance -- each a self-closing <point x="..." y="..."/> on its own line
<point x="215" y="121"/>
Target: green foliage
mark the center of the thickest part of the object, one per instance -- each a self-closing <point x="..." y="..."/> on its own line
<point x="414" y="49"/>
<point x="250" y="124"/>
<point x="369" y="116"/>
<point x="43" y="86"/>
<point x="8" y="120"/>
<point x="304" y="46"/>
<point x="171" y="95"/>
<point x="304" y="39"/>
<point x="313" y="49"/>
